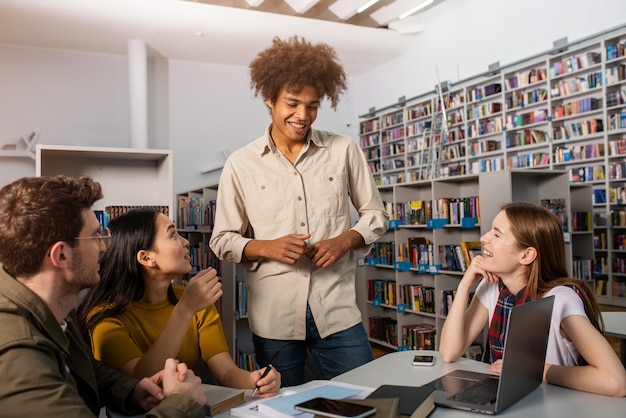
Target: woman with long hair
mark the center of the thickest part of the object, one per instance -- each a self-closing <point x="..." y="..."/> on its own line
<point x="523" y="259"/>
<point x="135" y="317"/>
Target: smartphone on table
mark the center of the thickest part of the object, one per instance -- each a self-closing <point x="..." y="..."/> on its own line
<point x="423" y="360"/>
<point x="335" y="408"/>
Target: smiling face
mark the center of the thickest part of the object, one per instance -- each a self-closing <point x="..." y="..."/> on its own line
<point x="170" y="251"/>
<point x="501" y="252"/>
<point x="293" y="114"/>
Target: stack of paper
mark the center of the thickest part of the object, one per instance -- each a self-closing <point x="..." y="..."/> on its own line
<point x="282" y="405"/>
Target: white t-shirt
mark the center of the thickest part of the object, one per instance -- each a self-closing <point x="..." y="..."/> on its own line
<point x="566" y="302"/>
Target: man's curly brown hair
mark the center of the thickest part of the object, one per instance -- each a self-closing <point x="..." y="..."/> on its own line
<point x="296" y="63"/>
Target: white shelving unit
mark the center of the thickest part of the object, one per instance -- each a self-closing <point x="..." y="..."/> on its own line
<point x="494" y="189"/>
<point x="129" y="177"/>
<point x="562" y="110"/>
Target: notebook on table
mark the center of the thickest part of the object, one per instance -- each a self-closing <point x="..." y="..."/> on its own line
<point x="522" y="365"/>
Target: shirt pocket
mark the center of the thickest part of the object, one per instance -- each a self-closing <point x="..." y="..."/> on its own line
<point x="330" y="194"/>
<point x="265" y="199"/>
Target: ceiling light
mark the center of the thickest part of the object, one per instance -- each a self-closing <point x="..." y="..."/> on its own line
<point x="254" y="3"/>
<point x="345" y="9"/>
<point x="301" y="6"/>
<point x="393" y="10"/>
<point x="366" y="6"/>
<point x="415" y="9"/>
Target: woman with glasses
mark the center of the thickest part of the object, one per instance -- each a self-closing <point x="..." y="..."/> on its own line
<point x="135" y="317"/>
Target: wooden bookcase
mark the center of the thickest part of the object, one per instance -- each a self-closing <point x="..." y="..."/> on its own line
<point x="493" y="189"/>
<point x="562" y="110"/>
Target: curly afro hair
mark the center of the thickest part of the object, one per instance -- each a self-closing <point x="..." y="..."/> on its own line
<point x="296" y="63"/>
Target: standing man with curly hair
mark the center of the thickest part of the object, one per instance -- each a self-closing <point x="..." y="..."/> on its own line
<point x="295" y="185"/>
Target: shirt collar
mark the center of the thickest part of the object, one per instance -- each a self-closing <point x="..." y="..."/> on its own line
<point x="313" y="138"/>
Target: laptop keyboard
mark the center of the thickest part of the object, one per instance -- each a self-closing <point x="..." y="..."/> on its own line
<point x="482" y="392"/>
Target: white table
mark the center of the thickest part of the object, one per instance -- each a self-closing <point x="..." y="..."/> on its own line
<point x="545" y="401"/>
<point x="615" y="326"/>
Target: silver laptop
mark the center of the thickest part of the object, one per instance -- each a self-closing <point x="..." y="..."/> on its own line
<point x="522" y="365"/>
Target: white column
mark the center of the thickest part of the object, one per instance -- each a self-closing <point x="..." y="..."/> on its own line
<point x="138" y="92"/>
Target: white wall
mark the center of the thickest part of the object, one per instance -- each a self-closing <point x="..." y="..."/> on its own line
<point x="82" y="99"/>
<point x="462" y="37"/>
<point x="70" y="98"/>
<point x="198" y="109"/>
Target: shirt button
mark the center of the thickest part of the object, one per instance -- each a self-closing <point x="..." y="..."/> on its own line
<point x="330" y="179"/>
<point x="302" y="224"/>
<point x="262" y="187"/>
<point x="299" y="197"/>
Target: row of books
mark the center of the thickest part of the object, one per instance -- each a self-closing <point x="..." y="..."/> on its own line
<point x="616" y="171"/>
<point x="112" y="211"/>
<point x="417" y="297"/>
<point x="447" y="297"/>
<point x="393" y="119"/>
<point x="576" y="129"/>
<point x="392" y="134"/>
<point x="616" y="97"/>
<point x="616" y="50"/>
<point x="586" y="174"/>
<point x="416" y="251"/>
<point x="195" y="213"/>
<point x="587" y="104"/>
<point x="383" y="291"/>
<point x="617" y="121"/>
<point x="525" y="78"/>
<point x="452" y="152"/>
<point x="383" y="328"/>
<point x="618" y="217"/>
<point x="484" y="127"/>
<point x="241" y="298"/>
<point x="578" y="152"/>
<point x="581" y="221"/>
<point x="418" y="337"/>
<point x="617" y="195"/>
<point x="458" y="257"/>
<point x="619" y="242"/>
<point x="486" y="165"/>
<point x="483" y="110"/>
<point x="558" y="207"/>
<point x="524" y="98"/>
<point x="528" y="118"/>
<point x="534" y="159"/>
<point x="525" y="137"/>
<point x="418" y="212"/>
<point x="583" y="268"/>
<point x="246" y="361"/>
<point x="575" y="63"/>
<point x="576" y="85"/>
<point x="615" y="74"/>
<point x="370" y="140"/>
<point x="392" y="149"/>
<point x="482" y="146"/>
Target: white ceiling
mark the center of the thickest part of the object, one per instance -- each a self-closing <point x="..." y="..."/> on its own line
<point x="185" y="30"/>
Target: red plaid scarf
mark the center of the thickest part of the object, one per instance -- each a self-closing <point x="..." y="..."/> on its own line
<point x="500" y="321"/>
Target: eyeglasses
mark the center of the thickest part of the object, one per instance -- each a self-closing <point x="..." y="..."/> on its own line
<point x="104" y="237"/>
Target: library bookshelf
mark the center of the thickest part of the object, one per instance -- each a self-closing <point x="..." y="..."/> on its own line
<point x="195" y="217"/>
<point x="564" y="109"/>
<point x="461" y="210"/>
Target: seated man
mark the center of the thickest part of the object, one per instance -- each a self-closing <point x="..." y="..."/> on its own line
<point x="51" y="243"/>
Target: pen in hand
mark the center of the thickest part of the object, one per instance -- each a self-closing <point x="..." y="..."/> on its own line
<point x="267" y="370"/>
